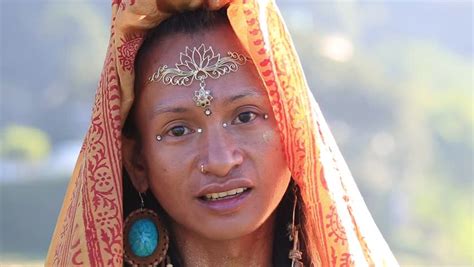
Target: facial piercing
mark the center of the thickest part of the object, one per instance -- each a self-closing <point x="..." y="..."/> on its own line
<point x="224" y="125"/>
<point x="159" y="137"/>
<point x="202" y="168"/>
<point x="199" y="130"/>
<point x="265" y="116"/>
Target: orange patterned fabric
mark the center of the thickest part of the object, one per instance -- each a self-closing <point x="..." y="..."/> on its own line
<point x="339" y="230"/>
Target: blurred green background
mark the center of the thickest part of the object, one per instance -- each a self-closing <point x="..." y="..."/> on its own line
<point x="393" y="78"/>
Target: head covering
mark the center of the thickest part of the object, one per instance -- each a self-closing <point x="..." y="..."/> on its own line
<point x="339" y="230"/>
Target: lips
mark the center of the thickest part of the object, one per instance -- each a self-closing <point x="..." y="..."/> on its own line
<point x="225" y="198"/>
<point x="225" y="195"/>
<point x="230" y="188"/>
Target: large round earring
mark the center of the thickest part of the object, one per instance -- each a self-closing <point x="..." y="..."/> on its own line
<point x="146" y="239"/>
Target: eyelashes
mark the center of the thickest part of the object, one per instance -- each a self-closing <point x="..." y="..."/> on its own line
<point x="241" y="118"/>
<point x="180" y="131"/>
<point x="245" y="117"/>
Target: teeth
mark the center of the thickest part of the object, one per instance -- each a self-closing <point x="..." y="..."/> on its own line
<point x="215" y="196"/>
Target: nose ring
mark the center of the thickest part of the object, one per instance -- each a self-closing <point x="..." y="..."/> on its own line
<point x="202" y="168"/>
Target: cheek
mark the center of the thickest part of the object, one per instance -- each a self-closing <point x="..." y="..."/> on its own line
<point x="170" y="185"/>
<point x="167" y="177"/>
<point x="272" y="167"/>
<point x="157" y="162"/>
<point x="161" y="160"/>
<point x="271" y="149"/>
<point x="268" y="136"/>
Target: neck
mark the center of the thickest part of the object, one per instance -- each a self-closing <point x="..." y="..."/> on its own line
<point x="254" y="249"/>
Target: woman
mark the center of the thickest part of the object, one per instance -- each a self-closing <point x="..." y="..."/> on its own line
<point x="224" y="151"/>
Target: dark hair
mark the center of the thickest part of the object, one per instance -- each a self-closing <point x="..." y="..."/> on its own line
<point x="192" y="22"/>
<point x="196" y="22"/>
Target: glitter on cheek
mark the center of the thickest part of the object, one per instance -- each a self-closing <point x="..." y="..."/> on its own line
<point x="267" y="136"/>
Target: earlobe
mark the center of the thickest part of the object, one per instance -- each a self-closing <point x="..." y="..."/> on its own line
<point x="134" y="164"/>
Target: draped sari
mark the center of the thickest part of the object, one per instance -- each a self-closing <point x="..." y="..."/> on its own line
<point x="339" y="230"/>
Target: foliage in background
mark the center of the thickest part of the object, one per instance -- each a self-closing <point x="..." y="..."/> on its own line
<point x="401" y="109"/>
<point x="23" y="143"/>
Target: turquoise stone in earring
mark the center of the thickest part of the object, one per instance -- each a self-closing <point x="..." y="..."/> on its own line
<point x="143" y="237"/>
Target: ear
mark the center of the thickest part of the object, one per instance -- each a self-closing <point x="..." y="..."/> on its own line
<point x="134" y="163"/>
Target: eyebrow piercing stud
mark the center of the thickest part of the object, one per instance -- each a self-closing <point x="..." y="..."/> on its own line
<point x="159" y="138"/>
<point x="265" y="116"/>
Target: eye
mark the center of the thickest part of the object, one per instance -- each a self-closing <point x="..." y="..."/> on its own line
<point x="178" y="131"/>
<point x="244" y="117"/>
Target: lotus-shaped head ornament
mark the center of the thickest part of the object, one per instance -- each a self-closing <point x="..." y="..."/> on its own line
<point x="199" y="64"/>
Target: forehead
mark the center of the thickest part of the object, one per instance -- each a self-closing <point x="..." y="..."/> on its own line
<point x="168" y="50"/>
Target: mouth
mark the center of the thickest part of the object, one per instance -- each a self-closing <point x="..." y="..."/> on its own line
<point x="217" y="196"/>
<point x="226" y="198"/>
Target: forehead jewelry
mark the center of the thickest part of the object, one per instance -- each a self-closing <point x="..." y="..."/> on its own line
<point x="199" y="64"/>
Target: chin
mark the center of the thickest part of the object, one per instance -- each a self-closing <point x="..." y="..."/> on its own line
<point x="223" y="229"/>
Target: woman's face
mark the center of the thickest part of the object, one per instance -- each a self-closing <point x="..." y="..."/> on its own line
<point x="247" y="154"/>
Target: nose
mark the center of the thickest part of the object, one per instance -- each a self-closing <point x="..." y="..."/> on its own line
<point x="222" y="153"/>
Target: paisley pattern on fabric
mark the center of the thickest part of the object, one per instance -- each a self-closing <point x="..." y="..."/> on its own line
<point x="339" y="229"/>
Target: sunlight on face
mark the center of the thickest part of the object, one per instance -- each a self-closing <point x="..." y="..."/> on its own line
<point x="245" y="174"/>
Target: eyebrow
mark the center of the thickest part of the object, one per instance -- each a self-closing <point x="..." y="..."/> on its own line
<point x="245" y="94"/>
<point x="162" y="109"/>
